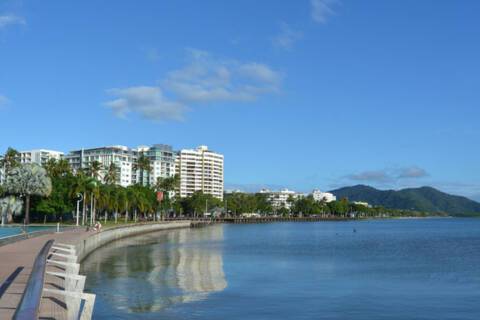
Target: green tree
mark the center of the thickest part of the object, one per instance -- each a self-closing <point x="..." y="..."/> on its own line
<point x="57" y="168"/>
<point x="167" y="186"/>
<point x="61" y="200"/>
<point x="27" y="180"/>
<point x="199" y="202"/>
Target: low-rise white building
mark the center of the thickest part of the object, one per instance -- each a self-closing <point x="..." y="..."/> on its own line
<point x="39" y="156"/>
<point x="362" y="203"/>
<point x="123" y="158"/>
<point x="280" y="199"/>
<point x="325" y="196"/>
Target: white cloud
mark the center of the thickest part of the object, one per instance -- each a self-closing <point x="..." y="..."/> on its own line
<point x="207" y="79"/>
<point x="287" y="37"/>
<point x="11" y="19"/>
<point x="149" y="102"/>
<point x="322" y="10"/>
<point x="204" y="79"/>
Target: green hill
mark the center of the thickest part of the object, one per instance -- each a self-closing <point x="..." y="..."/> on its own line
<point x="422" y="199"/>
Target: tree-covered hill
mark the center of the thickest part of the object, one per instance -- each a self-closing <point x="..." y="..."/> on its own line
<point x="422" y="199"/>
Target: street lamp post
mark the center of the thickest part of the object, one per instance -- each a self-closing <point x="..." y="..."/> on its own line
<point x="80" y="198"/>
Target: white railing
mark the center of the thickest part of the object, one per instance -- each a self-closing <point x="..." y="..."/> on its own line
<point x="74" y="283"/>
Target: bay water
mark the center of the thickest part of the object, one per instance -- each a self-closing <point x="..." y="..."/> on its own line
<point x="372" y="269"/>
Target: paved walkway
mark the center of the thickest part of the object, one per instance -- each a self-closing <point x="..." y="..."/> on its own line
<point x="16" y="261"/>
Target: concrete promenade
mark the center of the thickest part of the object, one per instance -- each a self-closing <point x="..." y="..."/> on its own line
<point x="16" y="261"/>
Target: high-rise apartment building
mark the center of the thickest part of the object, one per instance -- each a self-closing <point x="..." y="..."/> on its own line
<point x="162" y="162"/>
<point x="200" y="170"/>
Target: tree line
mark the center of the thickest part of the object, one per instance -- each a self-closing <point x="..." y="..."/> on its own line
<point x="54" y="192"/>
<point x="239" y="203"/>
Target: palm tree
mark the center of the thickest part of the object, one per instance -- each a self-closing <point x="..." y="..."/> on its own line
<point x="94" y="190"/>
<point x="107" y="199"/>
<point x="58" y="168"/>
<point x="9" y="206"/>
<point x="143" y="165"/>
<point x="94" y="169"/>
<point x="111" y="175"/>
<point x="27" y="180"/>
<point x="128" y="200"/>
<point x="10" y="160"/>
<point x="168" y="184"/>
<point x="119" y="203"/>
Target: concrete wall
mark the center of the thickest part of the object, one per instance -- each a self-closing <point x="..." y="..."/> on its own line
<point x="86" y="246"/>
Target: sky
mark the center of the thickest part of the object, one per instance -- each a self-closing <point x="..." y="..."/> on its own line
<point x="297" y="93"/>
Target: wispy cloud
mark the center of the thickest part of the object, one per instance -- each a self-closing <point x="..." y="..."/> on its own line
<point x="148" y="102"/>
<point x="204" y="79"/>
<point x="388" y="176"/>
<point x="322" y="10"/>
<point x="11" y="19"/>
<point x="411" y="172"/>
<point x="287" y="37"/>
<point x="208" y="79"/>
<point x="3" y="101"/>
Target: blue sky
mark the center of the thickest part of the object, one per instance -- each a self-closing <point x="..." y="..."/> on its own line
<point x="300" y="93"/>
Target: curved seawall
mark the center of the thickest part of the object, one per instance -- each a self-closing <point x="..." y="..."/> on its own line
<point x="86" y="246"/>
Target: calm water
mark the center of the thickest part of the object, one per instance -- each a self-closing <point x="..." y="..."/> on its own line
<point x="390" y="269"/>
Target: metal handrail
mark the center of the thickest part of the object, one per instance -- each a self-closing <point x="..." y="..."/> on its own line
<point x="28" y="307"/>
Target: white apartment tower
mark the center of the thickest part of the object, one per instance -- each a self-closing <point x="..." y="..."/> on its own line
<point x="162" y="161"/>
<point x="200" y="170"/>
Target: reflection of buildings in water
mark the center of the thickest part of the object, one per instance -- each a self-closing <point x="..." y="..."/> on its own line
<point x="155" y="271"/>
<point x="189" y="268"/>
<point x="200" y="269"/>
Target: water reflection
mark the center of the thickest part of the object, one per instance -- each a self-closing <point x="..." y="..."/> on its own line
<point x="149" y="273"/>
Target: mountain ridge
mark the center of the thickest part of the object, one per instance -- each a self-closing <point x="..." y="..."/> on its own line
<point x="423" y="198"/>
